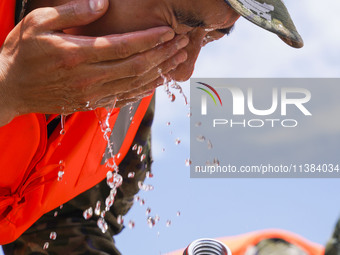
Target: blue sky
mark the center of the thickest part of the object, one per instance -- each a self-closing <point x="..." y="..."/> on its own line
<point x="222" y="207"/>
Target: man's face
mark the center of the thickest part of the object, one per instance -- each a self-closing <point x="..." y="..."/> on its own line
<point x="202" y="20"/>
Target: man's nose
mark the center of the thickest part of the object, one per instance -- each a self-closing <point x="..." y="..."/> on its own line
<point x="184" y="71"/>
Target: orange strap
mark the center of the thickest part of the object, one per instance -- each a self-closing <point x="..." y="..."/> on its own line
<point x="7" y="17"/>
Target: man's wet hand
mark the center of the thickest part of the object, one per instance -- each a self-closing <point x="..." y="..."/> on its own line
<point x="44" y="70"/>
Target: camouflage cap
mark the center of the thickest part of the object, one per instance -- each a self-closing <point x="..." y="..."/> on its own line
<point x="271" y="15"/>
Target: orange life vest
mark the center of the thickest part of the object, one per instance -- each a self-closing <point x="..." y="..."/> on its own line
<point x="239" y="244"/>
<point x="7" y="12"/>
<point x="30" y="162"/>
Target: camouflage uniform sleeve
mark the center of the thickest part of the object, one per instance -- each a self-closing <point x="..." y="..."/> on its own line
<point x="275" y="246"/>
<point x="75" y="235"/>
<point x="333" y="244"/>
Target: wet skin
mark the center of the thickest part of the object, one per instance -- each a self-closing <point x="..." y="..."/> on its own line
<point x="64" y="73"/>
<point x="201" y="21"/>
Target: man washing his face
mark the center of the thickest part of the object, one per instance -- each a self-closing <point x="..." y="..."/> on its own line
<point x="98" y="70"/>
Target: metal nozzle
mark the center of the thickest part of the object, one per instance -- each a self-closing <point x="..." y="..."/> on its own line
<point x="207" y="246"/>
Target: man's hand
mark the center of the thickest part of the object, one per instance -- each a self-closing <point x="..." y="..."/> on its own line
<point x="44" y="70"/>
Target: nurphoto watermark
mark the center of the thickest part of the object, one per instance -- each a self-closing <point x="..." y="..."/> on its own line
<point x="264" y="128"/>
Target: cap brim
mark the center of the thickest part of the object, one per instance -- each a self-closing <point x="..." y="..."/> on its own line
<point x="271" y="15"/>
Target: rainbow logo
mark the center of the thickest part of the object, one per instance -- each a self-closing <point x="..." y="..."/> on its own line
<point x="209" y="93"/>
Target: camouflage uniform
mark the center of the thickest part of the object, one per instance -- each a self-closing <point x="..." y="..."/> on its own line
<point x="333" y="245"/>
<point x="75" y="235"/>
<point x="275" y="246"/>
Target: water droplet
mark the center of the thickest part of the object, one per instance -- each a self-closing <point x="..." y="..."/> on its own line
<point x="131" y="174"/>
<point x="198" y="124"/>
<point x="209" y="144"/>
<point x="140" y="149"/>
<point x="137" y="198"/>
<point x="131" y="224"/>
<point x="113" y="192"/>
<point x="157" y="218"/>
<point x="102" y="214"/>
<point x="53" y="235"/>
<point x="118" y="155"/>
<point x="61" y="168"/>
<point x="168" y="123"/>
<point x="87" y="214"/>
<point x="187" y="162"/>
<point x="101" y="223"/>
<point x="109" y="179"/>
<point x="151" y="221"/>
<point x="55" y="214"/>
<point x="149" y="187"/>
<point x="109" y="201"/>
<point x="120" y="219"/>
<point x="134" y="147"/>
<point x="118" y="180"/>
<point x="142" y="202"/>
<point x="62" y="124"/>
<point x="149" y="174"/>
<point x="148" y="211"/>
<point x="178" y="213"/>
<point x="106" y="132"/>
<point x="105" y="128"/>
<point x="216" y="162"/>
<point x="61" y="207"/>
<point x="111" y="163"/>
<point x="172" y="97"/>
<point x="131" y="118"/>
<point x="130" y="109"/>
<point x="177" y="141"/>
<point x="113" y="180"/>
<point x="209" y="29"/>
<point x="175" y="85"/>
<point x="46" y="245"/>
<point x="200" y="138"/>
<point x="189" y="114"/>
<point x="168" y="223"/>
<point x="87" y="104"/>
<point x="104" y="122"/>
<point x="97" y="209"/>
<point x="60" y="175"/>
<point x="142" y="157"/>
<point x="141" y="185"/>
<point x="204" y="41"/>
